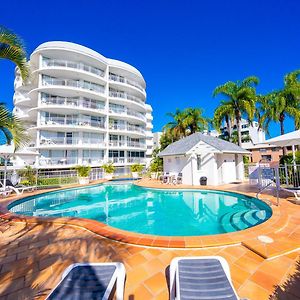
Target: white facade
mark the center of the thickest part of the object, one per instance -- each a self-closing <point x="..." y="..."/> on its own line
<point x="156" y="139"/>
<point x="251" y="131"/>
<point x="205" y="160"/>
<point x="83" y="108"/>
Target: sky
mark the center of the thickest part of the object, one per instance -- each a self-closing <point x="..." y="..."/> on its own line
<point x="184" y="49"/>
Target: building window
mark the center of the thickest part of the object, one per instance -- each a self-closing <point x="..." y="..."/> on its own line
<point x="262" y="150"/>
<point x="199" y="162"/>
<point x="266" y="157"/>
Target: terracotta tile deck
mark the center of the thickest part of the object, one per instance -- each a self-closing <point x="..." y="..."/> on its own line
<point x="33" y="257"/>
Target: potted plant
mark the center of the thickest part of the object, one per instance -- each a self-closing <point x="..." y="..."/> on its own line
<point x="154" y="169"/>
<point x="136" y="169"/>
<point x="83" y="174"/>
<point x="109" y="169"/>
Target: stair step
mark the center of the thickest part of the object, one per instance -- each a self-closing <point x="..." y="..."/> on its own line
<point x="226" y="222"/>
<point x="249" y="217"/>
<point x="237" y="220"/>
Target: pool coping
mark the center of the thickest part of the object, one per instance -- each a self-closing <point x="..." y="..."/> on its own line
<point x="278" y="219"/>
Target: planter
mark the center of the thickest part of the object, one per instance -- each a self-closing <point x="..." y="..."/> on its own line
<point x="135" y="174"/>
<point x="108" y="176"/>
<point x="84" y="180"/>
<point x="153" y="175"/>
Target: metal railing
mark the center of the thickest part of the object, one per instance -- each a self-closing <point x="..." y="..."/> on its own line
<point x="72" y="65"/>
<point x="72" y="122"/>
<point x="74" y="83"/>
<point x="71" y="141"/>
<point x="126" y="128"/>
<point x="122" y="79"/>
<point x="74" y="102"/>
<point x="127" y="112"/>
<point x="123" y="95"/>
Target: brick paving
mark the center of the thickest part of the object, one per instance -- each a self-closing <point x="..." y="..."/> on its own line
<point x="33" y="257"/>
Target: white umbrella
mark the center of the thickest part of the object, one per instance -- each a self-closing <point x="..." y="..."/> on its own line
<point x="288" y="139"/>
<point x="6" y="152"/>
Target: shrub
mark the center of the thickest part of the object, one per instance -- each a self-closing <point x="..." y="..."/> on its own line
<point x="136" y="168"/>
<point x="83" y="171"/>
<point x="56" y="181"/>
<point x="109" y="168"/>
<point x="29" y="175"/>
<point x="288" y="159"/>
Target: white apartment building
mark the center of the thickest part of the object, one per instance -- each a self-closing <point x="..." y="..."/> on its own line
<point x="83" y="108"/>
<point x="251" y="135"/>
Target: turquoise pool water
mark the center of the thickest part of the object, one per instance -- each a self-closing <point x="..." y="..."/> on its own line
<point x="149" y="211"/>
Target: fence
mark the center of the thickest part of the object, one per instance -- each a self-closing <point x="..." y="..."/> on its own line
<point x="262" y="174"/>
<point x="48" y="178"/>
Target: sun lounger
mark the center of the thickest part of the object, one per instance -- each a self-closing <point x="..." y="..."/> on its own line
<point x="204" y="277"/>
<point x="295" y="191"/>
<point x="5" y="193"/>
<point x="177" y="179"/>
<point x="18" y="188"/>
<point x="87" y="281"/>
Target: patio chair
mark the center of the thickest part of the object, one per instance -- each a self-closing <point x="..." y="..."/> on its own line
<point x="87" y="281"/>
<point x="18" y="188"/>
<point x="204" y="277"/>
<point x="178" y="179"/>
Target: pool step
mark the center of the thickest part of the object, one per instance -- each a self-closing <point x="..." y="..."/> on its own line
<point x="239" y="220"/>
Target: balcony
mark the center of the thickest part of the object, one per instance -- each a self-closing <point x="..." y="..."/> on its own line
<point x="46" y="161"/>
<point x="122" y="79"/>
<point x="73" y="83"/>
<point x="123" y="95"/>
<point x="74" y="102"/>
<point x="72" y="65"/>
<point x="126" y="144"/>
<point x="65" y="141"/>
<point x="72" y="122"/>
<point x="123" y="127"/>
<point x="127" y="112"/>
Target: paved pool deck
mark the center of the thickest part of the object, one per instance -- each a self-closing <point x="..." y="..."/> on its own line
<point x="34" y="253"/>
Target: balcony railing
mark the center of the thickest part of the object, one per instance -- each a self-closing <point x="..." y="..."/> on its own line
<point x="72" y="65"/>
<point x="123" y="95"/>
<point x="125" y="80"/>
<point x="58" y="160"/>
<point x="72" y="122"/>
<point x="74" y="83"/>
<point x="73" y="102"/>
<point x="71" y="141"/>
<point x="126" y="128"/>
<point x="127" y="112"/>
<point x="126" y="144"/>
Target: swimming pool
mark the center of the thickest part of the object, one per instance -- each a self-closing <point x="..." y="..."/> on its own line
<point x="150" y="211"/>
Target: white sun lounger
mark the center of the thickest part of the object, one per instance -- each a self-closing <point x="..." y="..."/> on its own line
<point x="18" y="189"/>
<point x="204" y="277"/>
<point x="295" y="191"/>
<point x="87" y="281"/>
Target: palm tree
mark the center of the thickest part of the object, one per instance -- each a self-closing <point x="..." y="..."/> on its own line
<point x="223" y="115"/>
<point x="194" y="120"/>
<point x="241" y="98"/>
<point x="12" y="128"/>
<point x="12" y="48"/>
<point x="178" y="125"/>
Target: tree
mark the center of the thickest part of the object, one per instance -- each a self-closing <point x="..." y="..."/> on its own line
<point x="240" y="100"/>
<point x="194" y="120"/>
<point x="178" y="126"/>
<point x="223" y="115"/>
<point x="12" y="128"/>
<point x="277" y="105"/>
<point x="12" y="48"/>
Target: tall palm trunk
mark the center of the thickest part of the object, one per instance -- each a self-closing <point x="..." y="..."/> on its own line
<point x="281" y="121"/>
<point x="238" y="125"/>
<point x="228" y="125"/>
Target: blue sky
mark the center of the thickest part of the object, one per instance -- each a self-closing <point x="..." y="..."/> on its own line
<point x="184" y="49"/>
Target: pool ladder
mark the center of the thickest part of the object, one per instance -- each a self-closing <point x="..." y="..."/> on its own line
<point x="268" y="201"/>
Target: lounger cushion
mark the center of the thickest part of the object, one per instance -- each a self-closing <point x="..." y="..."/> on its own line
<point x="203" y="279"/>
<point x="84" y="282"/>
